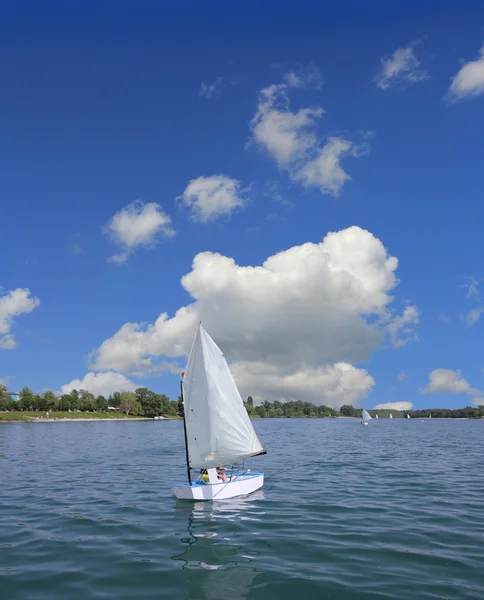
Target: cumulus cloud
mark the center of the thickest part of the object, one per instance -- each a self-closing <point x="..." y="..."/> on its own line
<point x="395" y="406"/>
<point x="210" y="198"/>
<point x="332" y="385"/>
<point x="12" y="304"/>
<point x="469" y="81"/>
<point x="100" y="384"/>
<point x="137" y="224"/>
<point x="443" y="381"/>
<point x="290" y="137"/>
<point x="401" y="66"/>
<point x="290" y="327"/>
<point x="210" y="90"/>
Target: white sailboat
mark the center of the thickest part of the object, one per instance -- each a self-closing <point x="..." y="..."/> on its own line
<point x="408" y="416"/>
<point x="376" y="416"/>
<point x="391" y="416"/>
<point x="217" y="428"/>
<point x="365" y="415"/>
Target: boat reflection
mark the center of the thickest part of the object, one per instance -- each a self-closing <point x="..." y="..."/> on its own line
<point x="215" y="563"/>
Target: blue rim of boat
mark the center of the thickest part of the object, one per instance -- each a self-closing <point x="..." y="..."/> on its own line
<point x="247" y="474"/>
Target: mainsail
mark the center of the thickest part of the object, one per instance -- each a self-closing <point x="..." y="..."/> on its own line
<point x="366" y="416"/>
<point x="218" y="427"/>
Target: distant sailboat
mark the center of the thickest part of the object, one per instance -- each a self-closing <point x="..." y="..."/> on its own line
<point x="408" y="416"/>
<point x="376" y="416"/>
<point x="430" y="416"/>
<point x="391" y="416"/>
<point x="217" y="428"/>
<point x="365" y="415"/>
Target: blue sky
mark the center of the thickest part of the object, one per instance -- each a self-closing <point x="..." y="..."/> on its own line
<point x="116" y="103"/>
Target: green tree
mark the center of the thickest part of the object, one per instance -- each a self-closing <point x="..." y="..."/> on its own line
<point x="101" y="404"/>
<point x="25" y="399"/>
<point x="50" y="401"/>
<point x="129" y="404"/>
<point x="180" y="407"/>
<point x="172" y="409"/>
<point x="115" y="400"/>
<point x="348" y="411"/>
<point x="5" y="398"/>
<point x="150" y="401"/>
<point x="250" y="401"/>
<point x="65" y="402"/>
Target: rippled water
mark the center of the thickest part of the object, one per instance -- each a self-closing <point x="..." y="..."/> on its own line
<point x="392" y="510"/>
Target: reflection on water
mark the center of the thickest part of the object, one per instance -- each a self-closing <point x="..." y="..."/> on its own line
<point x="216" y="567"/>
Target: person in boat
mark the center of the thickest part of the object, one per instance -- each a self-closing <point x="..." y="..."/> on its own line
<point x="220" y="474"/>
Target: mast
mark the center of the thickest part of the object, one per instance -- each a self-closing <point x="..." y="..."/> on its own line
<point x="185" y="431"/>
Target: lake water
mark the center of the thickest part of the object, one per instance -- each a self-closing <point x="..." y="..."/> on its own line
<point x="392" y="510"/>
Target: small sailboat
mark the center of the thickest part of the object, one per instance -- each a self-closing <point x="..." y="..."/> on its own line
<point x="365" y="416"/>
<point x="218" y="430"/>
<point x="430" y="415"/>
<point x="376" y="416"/>
<point x="408" y="416"/>
<point x="391" y="416"/>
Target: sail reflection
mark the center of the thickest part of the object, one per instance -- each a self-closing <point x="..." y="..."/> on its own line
<point x="215" y="563"/>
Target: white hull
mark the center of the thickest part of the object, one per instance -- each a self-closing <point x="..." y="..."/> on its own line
<point x="240" y="484"/>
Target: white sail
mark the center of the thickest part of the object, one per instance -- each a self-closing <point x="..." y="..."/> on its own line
<point x="366" y="416"/>
<point x="408" y="416"/>
<point x="219" y="430"/>
<point x="376" y="416"/>
<point x="391" y="416"/>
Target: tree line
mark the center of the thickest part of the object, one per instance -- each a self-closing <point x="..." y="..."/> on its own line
<point x="298" y="409"/>
<point x="144" y="402"/>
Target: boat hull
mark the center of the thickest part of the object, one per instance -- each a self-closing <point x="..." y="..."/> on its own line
<point x="240" y="484"/>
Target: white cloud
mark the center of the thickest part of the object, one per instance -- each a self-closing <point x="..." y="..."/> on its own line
<point x="209" y="90"/>
<point x="210" y="198"/>
<point x="443" y="381"/>
<point x="100" y="384"/>
<point x="5" y="380"/>
<point x="325" y="171"/>
<point x="402" y="377"/>
<point x="290" y="138"/>
<point x="478" y="401"/>
<point x="395" y="406"/>
<point x="289" y="326"/>
<point x="332" y="385"/>
<point x="473" y="315"/>
<point x="13" y="304"/>
<point x="401" y="328"/>
<point x="137" y="224"/>
<point x="469" y="81"/>
<point x="402" y="65"/>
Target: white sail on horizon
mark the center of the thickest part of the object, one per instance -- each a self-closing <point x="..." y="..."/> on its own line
<point x="366" y="416"/>
<point x="219" y="430"/>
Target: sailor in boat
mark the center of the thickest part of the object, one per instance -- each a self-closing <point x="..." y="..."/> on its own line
<point x="220" y="474"/>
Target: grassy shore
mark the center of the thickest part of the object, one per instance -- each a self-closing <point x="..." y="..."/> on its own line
<point x="29" y="416"/>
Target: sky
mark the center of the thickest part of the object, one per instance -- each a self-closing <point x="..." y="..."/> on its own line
<point x="306" y="181"/>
